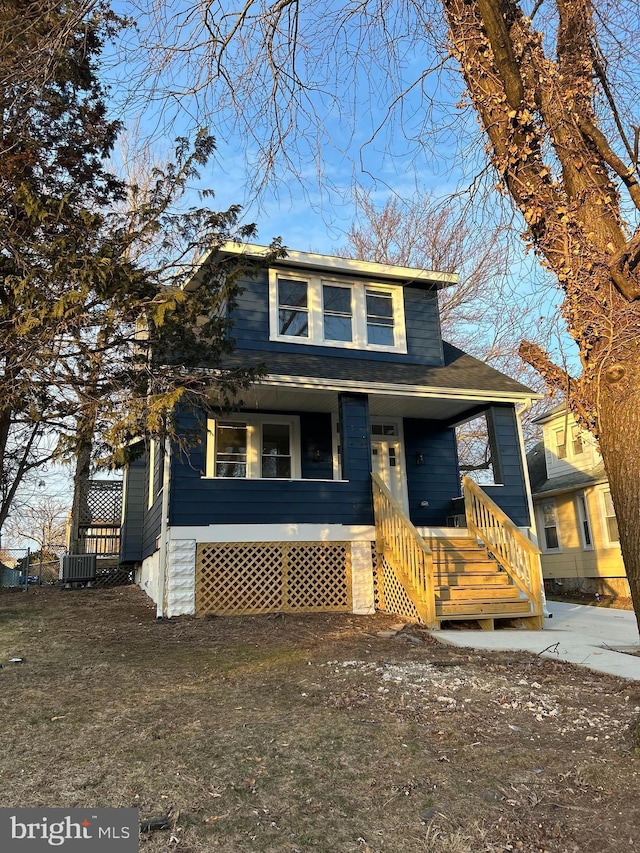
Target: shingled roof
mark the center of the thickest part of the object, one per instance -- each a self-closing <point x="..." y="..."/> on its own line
<point x="541" y="484"/>
<point x="460" y="370"/>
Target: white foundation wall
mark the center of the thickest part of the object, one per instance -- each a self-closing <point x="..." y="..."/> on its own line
<point x="362" y="578"/>
<point x="148" y="575"/>
<point x="181" y="577"/>
<point x="235" y="533"/>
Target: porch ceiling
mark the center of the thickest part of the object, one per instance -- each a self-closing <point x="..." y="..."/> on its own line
<point x="380" y="405"/>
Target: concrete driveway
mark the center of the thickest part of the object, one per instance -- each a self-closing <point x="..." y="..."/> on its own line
<point x="599" y="638"/>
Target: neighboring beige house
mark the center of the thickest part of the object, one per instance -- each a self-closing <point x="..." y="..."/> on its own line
<point x="577" y="527"/>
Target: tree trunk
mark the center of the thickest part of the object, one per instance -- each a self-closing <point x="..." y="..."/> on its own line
<point x="619" y="406"/>
<point x="79" y="507"/>
<point x="538" y="112"/>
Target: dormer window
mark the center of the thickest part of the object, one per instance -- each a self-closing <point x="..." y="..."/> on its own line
<point x="331" y="312"/>
<point x="293" y="308"/>
<point x="337" y="313"/>
<point x="380" y="317"/>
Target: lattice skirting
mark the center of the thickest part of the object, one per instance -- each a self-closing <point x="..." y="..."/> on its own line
<point x="390" y="595"/>
<point x="120" y="576"/>
<point x="268" y="577"/>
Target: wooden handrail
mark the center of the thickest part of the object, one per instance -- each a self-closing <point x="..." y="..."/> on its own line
<point x="517" y="555"/>
<point x="405" y="551"/>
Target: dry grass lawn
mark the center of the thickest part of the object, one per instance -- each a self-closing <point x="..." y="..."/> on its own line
<point x="309" y="733"/>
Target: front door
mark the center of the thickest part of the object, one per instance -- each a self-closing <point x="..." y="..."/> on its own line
<point x="387" y="462"/>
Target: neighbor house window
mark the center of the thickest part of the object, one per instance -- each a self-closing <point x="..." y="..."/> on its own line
<point x="576" y="441"/>
<point x="549" y="518"/>
<point x="254" y="447"/>
<point x="583" y="522"/>
<point x="332" y="312"/>
<point x="560" y="443"/>
<point x="610" y="521"/>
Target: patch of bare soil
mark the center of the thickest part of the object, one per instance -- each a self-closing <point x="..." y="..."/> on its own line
<point x="309" y="733"/>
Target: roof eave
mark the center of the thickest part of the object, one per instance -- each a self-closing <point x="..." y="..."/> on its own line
<point x="328" y="264"/>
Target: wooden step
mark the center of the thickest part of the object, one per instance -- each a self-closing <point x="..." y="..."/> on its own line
<point x="437" y="544"/>
<point x="481" y="609"/>
<point x="488" y="567"/>
<point x="477" y="593"/>
<point x="471" y="578"/>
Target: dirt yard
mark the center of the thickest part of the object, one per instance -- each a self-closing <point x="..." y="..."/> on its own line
<point x="309" y="733"/>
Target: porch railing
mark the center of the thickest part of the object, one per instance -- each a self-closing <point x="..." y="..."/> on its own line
<point x="102" y="540"/>
<point x="517" y="555"/>
<point x="406" y="552"/>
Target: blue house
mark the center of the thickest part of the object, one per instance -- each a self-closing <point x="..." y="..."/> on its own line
<point x="338" y="487"/>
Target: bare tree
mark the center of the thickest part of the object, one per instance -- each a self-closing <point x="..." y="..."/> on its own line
<point x="42" y="520"/>
<point x="484" y="314"/>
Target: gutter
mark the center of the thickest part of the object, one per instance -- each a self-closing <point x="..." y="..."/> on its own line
<point x="164" y="533"/>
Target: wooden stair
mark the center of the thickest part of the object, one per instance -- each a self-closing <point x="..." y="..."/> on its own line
<point x="471" y="585"/>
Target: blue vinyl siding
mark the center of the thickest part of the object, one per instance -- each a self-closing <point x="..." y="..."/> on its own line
<point x="511" y="495"/>
<point x="251" y="315"/>
<point x="316" y="446"/>
<point x="422" y="319"/>
<point x="196" y="500"/>
<point x="153" y="515"/>
<point x="424" y="344"/>
<point x="437" y="481"/>
<point x="134" y="497"/>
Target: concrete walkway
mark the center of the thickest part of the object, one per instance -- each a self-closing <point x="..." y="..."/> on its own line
<point x="592" y="637"/>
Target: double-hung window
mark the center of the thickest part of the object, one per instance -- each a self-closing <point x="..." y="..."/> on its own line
<point x="293" y="308"/>
<point x="231" y="449"/>
<point x="380" y="320"/>
<point x="254" y="447"/>
<point x="560" y="442"/>
<point x="612" y="535"/>
<point x="332" y="312"/>
<point x="584" y="522"/>
<point x="337" y="312"/>
<point x="275" y="458"/>
<point x="549" y="518"/>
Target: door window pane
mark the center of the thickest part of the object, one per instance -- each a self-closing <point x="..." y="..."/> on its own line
<point x="293" y="308"/>
<point x="276" y="451"/>
<point x="380" y="318"/>
<point x="337" y="313"/>
<point x="231" y="450"/>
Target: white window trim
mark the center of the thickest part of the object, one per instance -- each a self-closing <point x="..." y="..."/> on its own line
<point x="582" y="514"/>
<point x="152" y="473"/>
<point x="359" y="313"/>
<point x="541" y="528"/>
<point x="606" y="541"/>
<point x="254" y="445"/>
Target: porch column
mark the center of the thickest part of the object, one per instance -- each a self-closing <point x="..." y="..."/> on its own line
<point x="509" y="466"/>
<point x="355" y="448"/>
